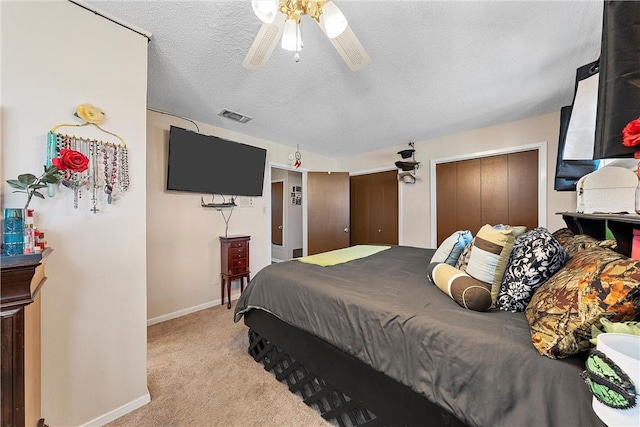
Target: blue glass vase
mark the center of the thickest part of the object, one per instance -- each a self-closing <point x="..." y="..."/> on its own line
<point x="13" y="231"/>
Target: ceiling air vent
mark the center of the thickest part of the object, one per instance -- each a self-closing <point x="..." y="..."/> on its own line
<point x="232" y="115"/>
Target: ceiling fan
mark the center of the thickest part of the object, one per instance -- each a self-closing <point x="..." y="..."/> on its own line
<point x="282" y="20"/>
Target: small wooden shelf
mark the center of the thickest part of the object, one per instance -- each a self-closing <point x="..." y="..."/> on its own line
<point x="595" y="225"/>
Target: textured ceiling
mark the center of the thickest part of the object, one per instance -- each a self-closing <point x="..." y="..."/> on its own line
<point x="436" y="68"/>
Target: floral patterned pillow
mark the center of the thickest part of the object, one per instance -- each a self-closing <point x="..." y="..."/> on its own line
<point x="536" y="256"/>
<point x="595" y="283"/>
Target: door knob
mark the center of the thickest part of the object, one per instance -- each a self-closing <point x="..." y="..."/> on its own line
<point x="379" y="231"/>
<point x="346" y="230"/>
<point x="280" y="227"/>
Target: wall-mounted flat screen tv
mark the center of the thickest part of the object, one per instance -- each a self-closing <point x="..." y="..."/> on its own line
<point x="212" y="165"/>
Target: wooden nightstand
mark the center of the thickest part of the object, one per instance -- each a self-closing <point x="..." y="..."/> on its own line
<point x="234" y="261"/>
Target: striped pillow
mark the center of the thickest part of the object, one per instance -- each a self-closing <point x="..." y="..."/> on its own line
<point x="489" y="257"/>
<point x="468" y="292"/>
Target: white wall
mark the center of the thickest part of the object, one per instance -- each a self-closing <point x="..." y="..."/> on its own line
<point x="56" y="56"/>
<point x="415" y="211"/>
<point x="182" y="244"/>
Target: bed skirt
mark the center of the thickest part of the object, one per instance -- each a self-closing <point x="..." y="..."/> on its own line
<point x="346" y="391"/>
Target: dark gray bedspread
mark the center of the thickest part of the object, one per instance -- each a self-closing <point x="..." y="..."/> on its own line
<point x="384" y="310"/>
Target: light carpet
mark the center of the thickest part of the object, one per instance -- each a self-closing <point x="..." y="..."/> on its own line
<point x="200" y="374"/>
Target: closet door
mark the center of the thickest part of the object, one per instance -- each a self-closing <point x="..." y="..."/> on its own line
<point x="359" y="199"/>
<point x="489" y="190"/>
<point x="374" y="208"/>
<point x="383" y="204"/>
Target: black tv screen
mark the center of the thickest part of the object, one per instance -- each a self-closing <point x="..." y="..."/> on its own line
<point x="208" y="164"/>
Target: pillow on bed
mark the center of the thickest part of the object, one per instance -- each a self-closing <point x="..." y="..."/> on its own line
<point x="468" y="292"/>
<point x="535" y="257"/>
<point x="463" y="259"/>
<point x="562" y="235"/>
<point x="518" y="230"/>
<point x="489" y="257"/>
<point x="579" y="242"/>
<point x="595" y="283"/>
<point x="450" y="249"/>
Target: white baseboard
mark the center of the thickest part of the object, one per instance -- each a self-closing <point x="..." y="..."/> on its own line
<point x="189" y="310"/>
<point x="277" y="260"/>
<point x="118" y="412"/>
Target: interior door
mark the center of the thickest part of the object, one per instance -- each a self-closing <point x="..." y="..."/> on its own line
<point x="327" y="211"/>
<point x="277" y="196"/>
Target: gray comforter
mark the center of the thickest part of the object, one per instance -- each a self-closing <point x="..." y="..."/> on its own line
<point x="384" y="311"/>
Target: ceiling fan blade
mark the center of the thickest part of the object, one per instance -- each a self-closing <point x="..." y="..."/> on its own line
<point x="351" y="50"/>
<point x="264" y="43"/>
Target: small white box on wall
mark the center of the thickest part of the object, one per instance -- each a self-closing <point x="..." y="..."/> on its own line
<point x="607" y="190"/>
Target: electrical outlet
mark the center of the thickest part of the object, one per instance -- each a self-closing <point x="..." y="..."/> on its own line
<point x="250" y="201"/>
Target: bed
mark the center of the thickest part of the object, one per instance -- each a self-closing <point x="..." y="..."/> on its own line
<point x="392" y="349"/>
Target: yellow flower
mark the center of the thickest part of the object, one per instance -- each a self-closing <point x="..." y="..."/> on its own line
<point x="90" y="113"/>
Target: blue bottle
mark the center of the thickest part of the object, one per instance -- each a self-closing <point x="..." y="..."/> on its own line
<point x="13" y="231"/>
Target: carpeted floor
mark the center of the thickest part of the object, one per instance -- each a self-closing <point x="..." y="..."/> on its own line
<point x="199" y="374"/>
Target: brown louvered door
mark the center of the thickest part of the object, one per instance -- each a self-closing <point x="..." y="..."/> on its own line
<point x="489" y="190"/>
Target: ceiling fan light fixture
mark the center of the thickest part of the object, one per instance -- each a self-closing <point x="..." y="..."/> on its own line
<point x="292" y="36"/>
<point x="332" y="20"/>
<point x="265" y="10"/>
<point x="286" y="28"/>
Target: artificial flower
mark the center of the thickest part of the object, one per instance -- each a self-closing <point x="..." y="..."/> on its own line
<point x="90" y="113"/>
<point x="71" y="160"/>
<point x="631" y="133"/>
<point x="30" y="184"/>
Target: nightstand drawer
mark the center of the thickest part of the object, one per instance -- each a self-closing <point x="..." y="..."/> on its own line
<point x="238" y="270"/>
<point x="239" y="262"/>
<point x="238" y="252"/>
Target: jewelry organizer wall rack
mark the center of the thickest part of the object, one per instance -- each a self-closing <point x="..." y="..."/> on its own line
<point x="107" y="174"/>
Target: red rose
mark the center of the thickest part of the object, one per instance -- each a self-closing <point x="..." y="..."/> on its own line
<point x="71" y="160"/>
<point x="631" y="133"/>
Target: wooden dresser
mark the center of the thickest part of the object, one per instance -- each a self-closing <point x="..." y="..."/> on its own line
<point x="22" y="280"/>
<point x="234" y="263"/>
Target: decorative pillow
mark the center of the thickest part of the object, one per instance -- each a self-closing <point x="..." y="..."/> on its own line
<point x="535" y="257"/>
<point x="463" y="260"/>
<point x="580" y="242"/>
<point x="489" y="257"/>
<point x="518" y="230"/>
<point x="450" y="249"/>
<point x="468" y="292"/>
<point x="595" y="283"/>
<point x="563" y="235"/>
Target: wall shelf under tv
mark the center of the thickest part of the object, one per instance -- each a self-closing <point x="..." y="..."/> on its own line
<point x="218" y="206"/>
